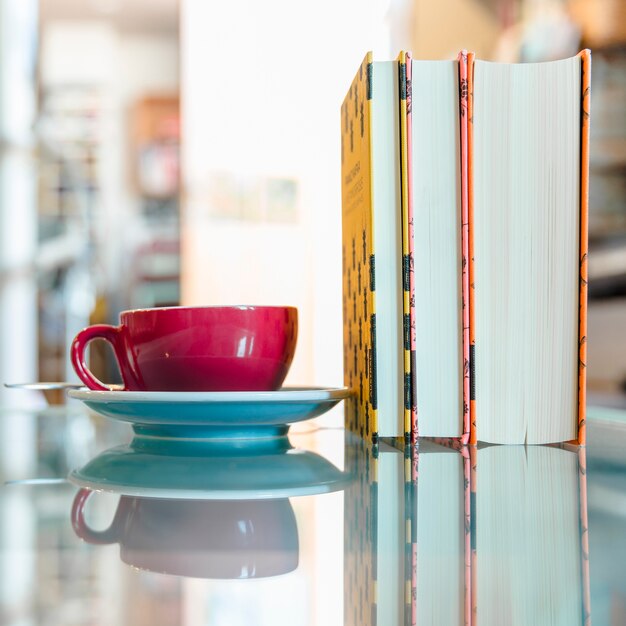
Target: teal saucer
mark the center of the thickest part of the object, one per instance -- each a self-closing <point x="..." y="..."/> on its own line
<point x="218" y="415"/>
<point x="205" y="469"/>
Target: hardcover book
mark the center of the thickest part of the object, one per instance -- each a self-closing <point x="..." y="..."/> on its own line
<point x="372" y="251"/>
<point x="528" y="173"/>
<point x="437" y="210"/>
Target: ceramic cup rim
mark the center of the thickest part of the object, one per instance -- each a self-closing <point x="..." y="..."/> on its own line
<point x="214" y="307"/>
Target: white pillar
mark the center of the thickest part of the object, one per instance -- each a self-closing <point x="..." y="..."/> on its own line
<point x="18" y="228"/>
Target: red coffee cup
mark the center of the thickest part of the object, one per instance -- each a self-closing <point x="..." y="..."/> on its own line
<point x="217" y="348"/>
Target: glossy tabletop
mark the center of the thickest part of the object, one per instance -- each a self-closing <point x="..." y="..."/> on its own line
<point x="316" y="529"/>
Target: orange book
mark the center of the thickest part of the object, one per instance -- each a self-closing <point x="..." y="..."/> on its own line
<point x="528" y="167"/>
<point x="585" y="58"/>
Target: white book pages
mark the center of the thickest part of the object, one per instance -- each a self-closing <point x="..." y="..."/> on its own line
<point x="526" y="125"/>
<point x="387" y="234"/>
<point x="436" y="183"/>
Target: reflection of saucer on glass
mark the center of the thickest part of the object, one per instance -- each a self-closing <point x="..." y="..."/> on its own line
<point x="214" y="414"/>
<point x="204" y="469"/>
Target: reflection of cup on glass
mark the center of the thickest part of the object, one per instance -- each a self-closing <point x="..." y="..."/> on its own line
<point x="219" y="348"/>
<point x="221" y="539"/>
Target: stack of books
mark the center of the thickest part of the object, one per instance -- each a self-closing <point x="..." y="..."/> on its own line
<point x="465" y="203"/>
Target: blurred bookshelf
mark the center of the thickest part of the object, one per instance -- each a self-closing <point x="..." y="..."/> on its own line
<point x="69" y="132"/>
<point x="76" y="156"/>
<point x="607" y="211"/>
<point x="155" y="157"/>
<point x="603" y="30"/>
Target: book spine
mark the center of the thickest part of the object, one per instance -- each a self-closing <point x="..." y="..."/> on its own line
<point x="406" y="265"/>
<point x="372" y="366"/>
<point x="470" y="248"/>
<point x="410" y="224"/>
<point x="463" y="117"/>
<point x="358" y="254"/>
<point x="585" y="57"/>
<point x="414" y="477"/>
<point x="373" y="419"/>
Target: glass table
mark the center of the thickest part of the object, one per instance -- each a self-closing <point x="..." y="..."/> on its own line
<point x="316" y="529"/>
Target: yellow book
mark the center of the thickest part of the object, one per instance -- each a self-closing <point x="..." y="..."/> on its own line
<point x="372" y="251"/>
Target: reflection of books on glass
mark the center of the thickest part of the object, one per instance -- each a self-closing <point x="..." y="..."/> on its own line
<point x="441" y="536"/>
<point x="389" y="537"/>
<point x="421" y="547"/>
<point x="406" y="536"/>
<point x="529" y="537"/>
<point x="375" y="537"/>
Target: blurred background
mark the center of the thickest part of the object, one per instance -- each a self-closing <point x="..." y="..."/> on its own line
<point x="160" y="152"/>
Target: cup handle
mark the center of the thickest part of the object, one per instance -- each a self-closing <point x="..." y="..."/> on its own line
<point x="112" y="334"/>
<point x="79" y="524"/>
